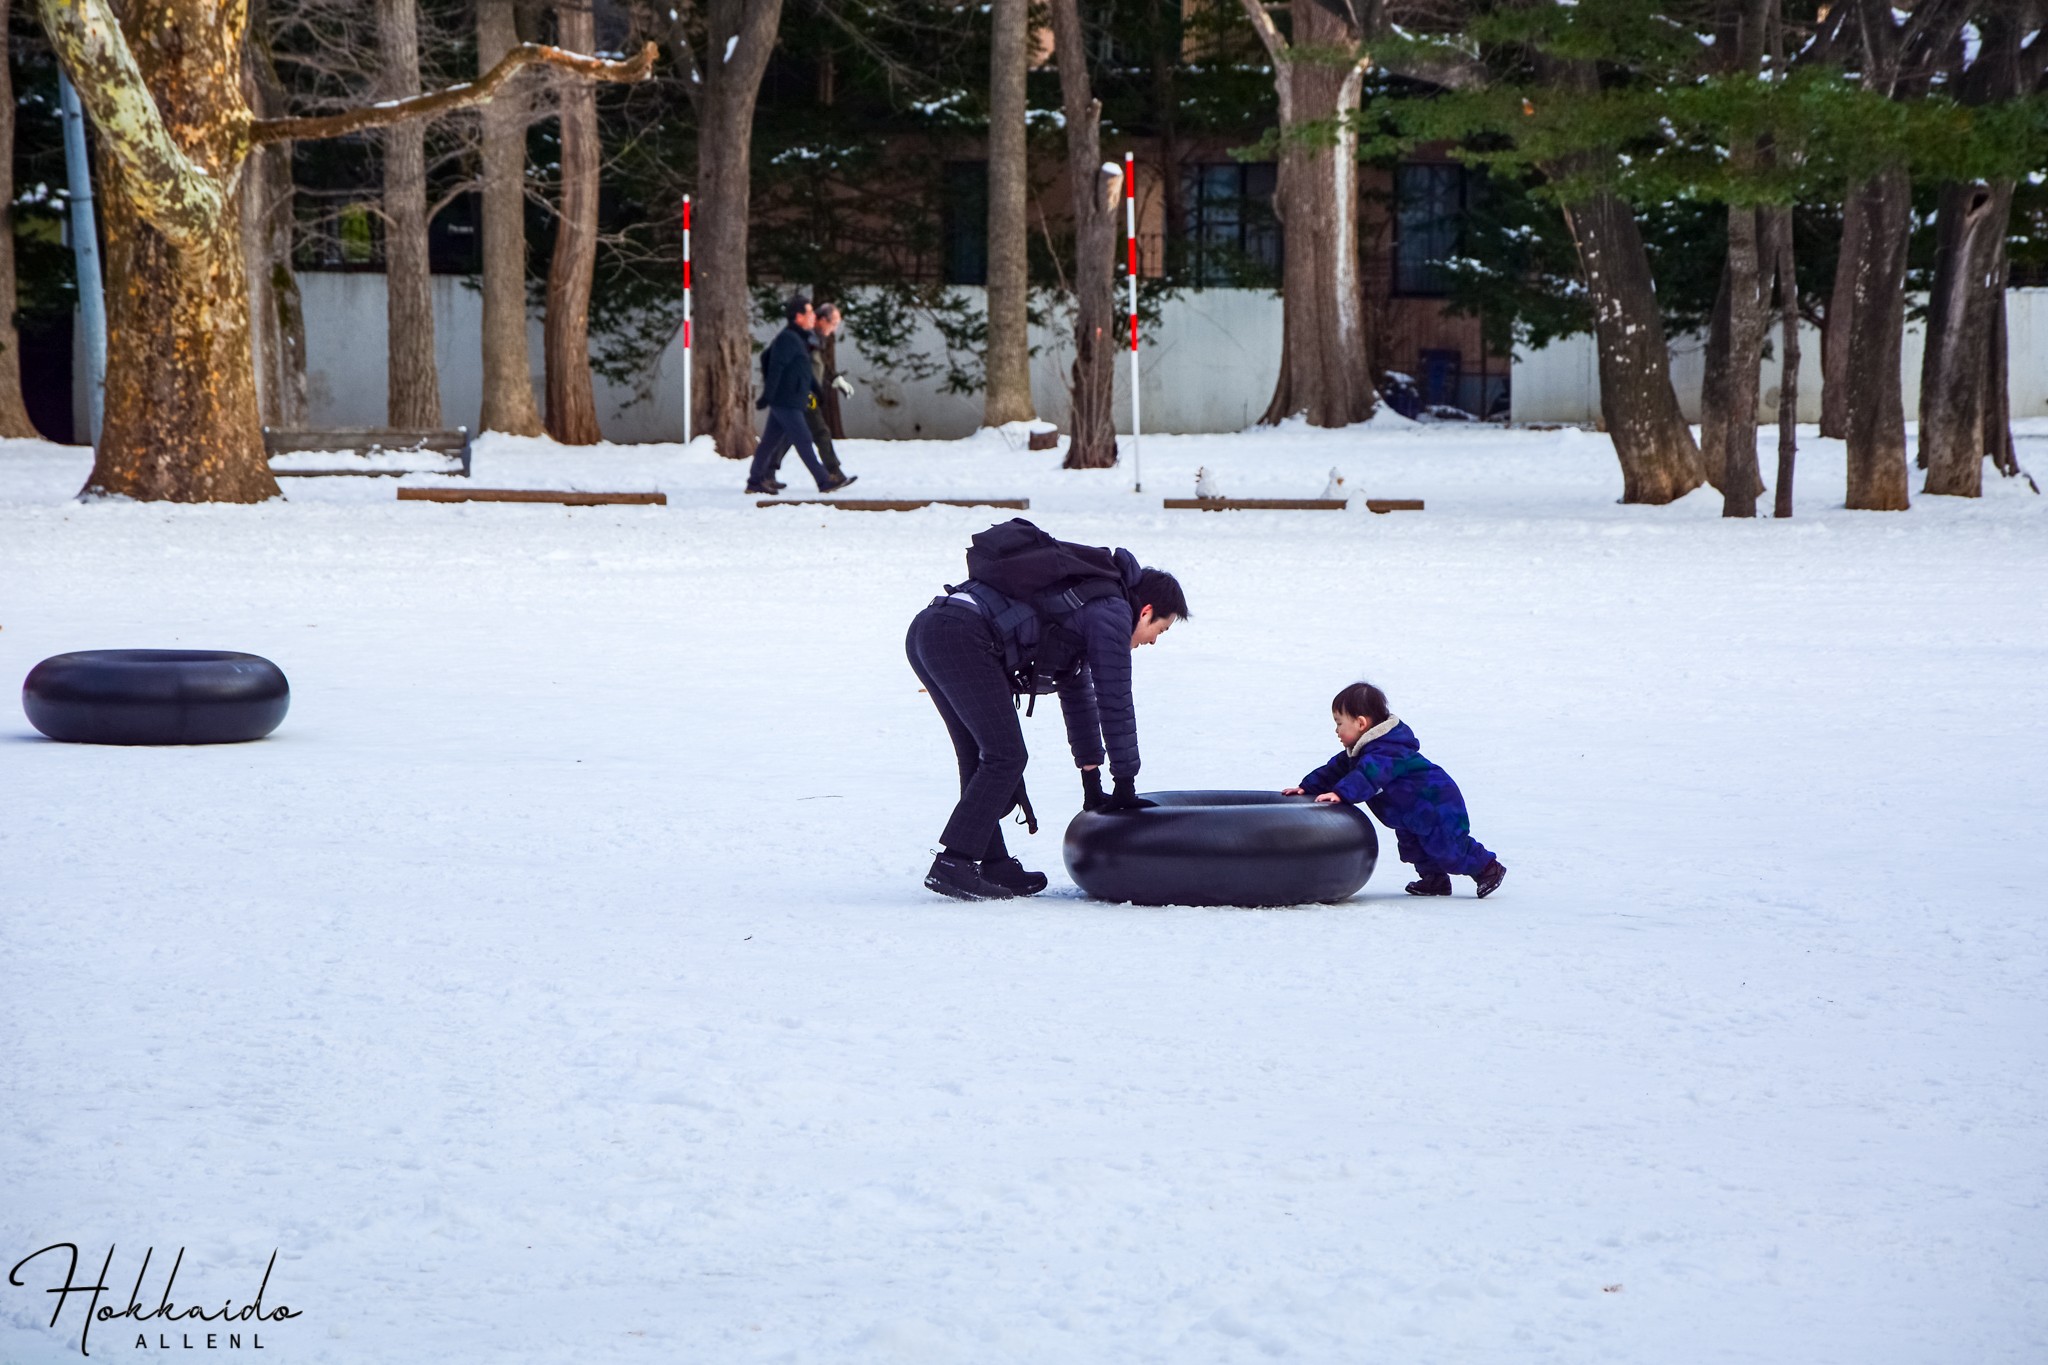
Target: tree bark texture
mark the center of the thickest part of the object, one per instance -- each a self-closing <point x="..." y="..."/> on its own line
<point x="412" y="385"/>
<point x="1961" y="417"/>
<point x="1788" y="359"/>
<point x="13" y="414"/>
<point x="277" y="317"/>
<point x="1734" y="364"/>
<point x="572" y="398"/>
<point x="508" y="402"/>
<point x="1092" y="421"/>
<point x="738" y="38"/>
<point x="1875" y="412"/>
<point x="1840" y="322"/>
<point x="1325" y="370"/>
<point x="1659" y="459"/>
<point x="1007" y="397"/>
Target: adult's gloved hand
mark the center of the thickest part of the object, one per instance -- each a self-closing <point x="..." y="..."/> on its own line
<point x="843" y="384"/>
<point x="1091" y="789"/>
<point x="1123" y="796"/>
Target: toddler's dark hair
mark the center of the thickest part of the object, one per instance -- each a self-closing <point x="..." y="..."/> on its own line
<point x="1363" y="700"/>
<point x="1161" y="591"/>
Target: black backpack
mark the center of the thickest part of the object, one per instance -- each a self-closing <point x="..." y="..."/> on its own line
<point x="1030" y="585"/>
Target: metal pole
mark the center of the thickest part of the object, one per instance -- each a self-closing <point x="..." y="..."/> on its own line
<point x="1131" y="279"/>
<point x="686" y="320"/>
<point x="85" y="250"/>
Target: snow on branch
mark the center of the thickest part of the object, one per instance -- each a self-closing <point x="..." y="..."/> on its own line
<point x="454" y="97"/>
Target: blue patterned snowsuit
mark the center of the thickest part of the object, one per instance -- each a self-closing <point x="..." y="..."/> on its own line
<point x="1410" y="795"/>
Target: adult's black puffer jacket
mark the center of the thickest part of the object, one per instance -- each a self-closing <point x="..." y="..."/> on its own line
<point x="1096" y="698"/>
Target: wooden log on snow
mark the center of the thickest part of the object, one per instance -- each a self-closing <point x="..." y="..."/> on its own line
<point x="554" y="495"/>
<point x="1290" y="504"/>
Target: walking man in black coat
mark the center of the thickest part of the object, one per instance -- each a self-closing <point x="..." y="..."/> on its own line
<point x="785" y="388"/>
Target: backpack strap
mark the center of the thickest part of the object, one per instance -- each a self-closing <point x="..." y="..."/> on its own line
<point x="1072" y="599"/>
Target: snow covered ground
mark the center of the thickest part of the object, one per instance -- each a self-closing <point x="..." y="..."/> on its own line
<point x="557" y="985"/>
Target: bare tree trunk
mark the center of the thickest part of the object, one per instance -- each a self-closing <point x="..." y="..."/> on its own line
<point x="572" y="398"/>
<point x="1324" y="370"/>
<point x="1092" y="422"/>
<point x="1008" y="395"/>
<point x="508" y="403"/>
<point x="1840" y="322"/>
<point x="1788" y="360"/>
<point x="738" y="37"/>
<point x="1957" y="427"/>
<point x="1659" y="459"/>
<point x="1876" y="412"/>
<point x="412" y="385"/>
<point x="13" y="415"/>
<point x="1729" y="444"/>
<point x="277" y="314"/>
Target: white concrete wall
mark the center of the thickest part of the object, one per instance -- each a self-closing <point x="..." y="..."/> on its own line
<point x="1561" y="382"/>
<point x="1211" y="368"/>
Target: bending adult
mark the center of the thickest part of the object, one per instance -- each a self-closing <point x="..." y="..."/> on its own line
<point x="963" y="648"/>
<point x="785" y="387"/>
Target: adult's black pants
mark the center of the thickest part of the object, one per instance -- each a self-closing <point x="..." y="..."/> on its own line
<point x="821" y="437"/>
<point x="954" y="653"/>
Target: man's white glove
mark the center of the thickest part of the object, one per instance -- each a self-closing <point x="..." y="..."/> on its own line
<point x="843" y="384"/>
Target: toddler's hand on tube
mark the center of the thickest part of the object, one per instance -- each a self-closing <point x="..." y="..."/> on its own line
<point x="1293" y="791"/>
<point x="1328" y="799"/>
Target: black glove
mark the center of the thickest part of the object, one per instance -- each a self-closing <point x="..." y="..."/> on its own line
<point x="1123" y="797"/>
<point x="1091" y="789"/>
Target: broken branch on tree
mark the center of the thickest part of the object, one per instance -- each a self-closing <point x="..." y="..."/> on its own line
<point x="454" y="97"/>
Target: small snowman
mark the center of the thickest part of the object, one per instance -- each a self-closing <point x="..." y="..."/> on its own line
<point x="1205" y="485"/>
<point x="1334" y="490"/>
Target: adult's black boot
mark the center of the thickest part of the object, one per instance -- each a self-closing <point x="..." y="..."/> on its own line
<point x="1430" y="884"/>
<point x="1009" y="872"/>
<point x="961" y="878"/>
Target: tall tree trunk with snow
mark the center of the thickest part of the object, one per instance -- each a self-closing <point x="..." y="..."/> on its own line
<point x="572" y="398"/>
<point x="1325" y="369"/>
<point x="1964" y="409"/>
<point x="508" y="402"/>
<point x="1742" y="316"/>
<point x="738" y="37"/>
<point x="277" y="316"/>
<point x="175" y="128"/>
<point x="1659" y="459"/>
<point x="1007" y="397"/>
<point x="1092" y="421"/>
<point x="13" y="415"/>
<point x="1788" y="358"/>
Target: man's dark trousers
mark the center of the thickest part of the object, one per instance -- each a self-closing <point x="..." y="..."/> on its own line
<point x="954" y="653"/>
<point x="786" y="427"/>
<point x="821" y="437"/>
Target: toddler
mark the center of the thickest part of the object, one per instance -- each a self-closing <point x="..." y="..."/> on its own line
<point x="1383" y="766"/>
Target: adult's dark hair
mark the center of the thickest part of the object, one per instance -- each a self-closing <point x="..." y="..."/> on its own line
<point x="1160" y="591"/>
<point x="1363" y="700"/>
<point x="794" y="304"/>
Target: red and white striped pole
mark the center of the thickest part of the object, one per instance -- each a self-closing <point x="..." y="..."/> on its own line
<point x="686" y="320"/>
<point x="1131" y="278"/>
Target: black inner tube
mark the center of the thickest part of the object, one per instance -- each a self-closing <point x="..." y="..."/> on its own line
<point x="156" y="696"/>
<point x="1223" y="848"/>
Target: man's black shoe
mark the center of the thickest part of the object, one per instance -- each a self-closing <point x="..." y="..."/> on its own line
<point x="762" y="490"/>
<point x="1489" y="878"/>
<point x="839" y="483"/>
<point x="1009" y="872"/>
<point x="961" y="879"/>
<point x="1435" y="884"/>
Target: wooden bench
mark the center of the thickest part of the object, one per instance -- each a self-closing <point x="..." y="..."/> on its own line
<point x="369" y="441"/>
<point x="895" y="504"/>
<point x="1289" y="504"/>
<point x="566" y="497"/>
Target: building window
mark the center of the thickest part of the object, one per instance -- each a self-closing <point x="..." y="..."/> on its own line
<point x="1229" y="235"/>
<point x="966" y="222"/>
<point x="1429" y="209"/>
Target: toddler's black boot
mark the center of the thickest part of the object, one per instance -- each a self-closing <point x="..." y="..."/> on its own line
<point x="1488" y="878"/>
<point x="1009" y="872"/>
<point x="961" y="878"/>
<point x="1431" y="884"/>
